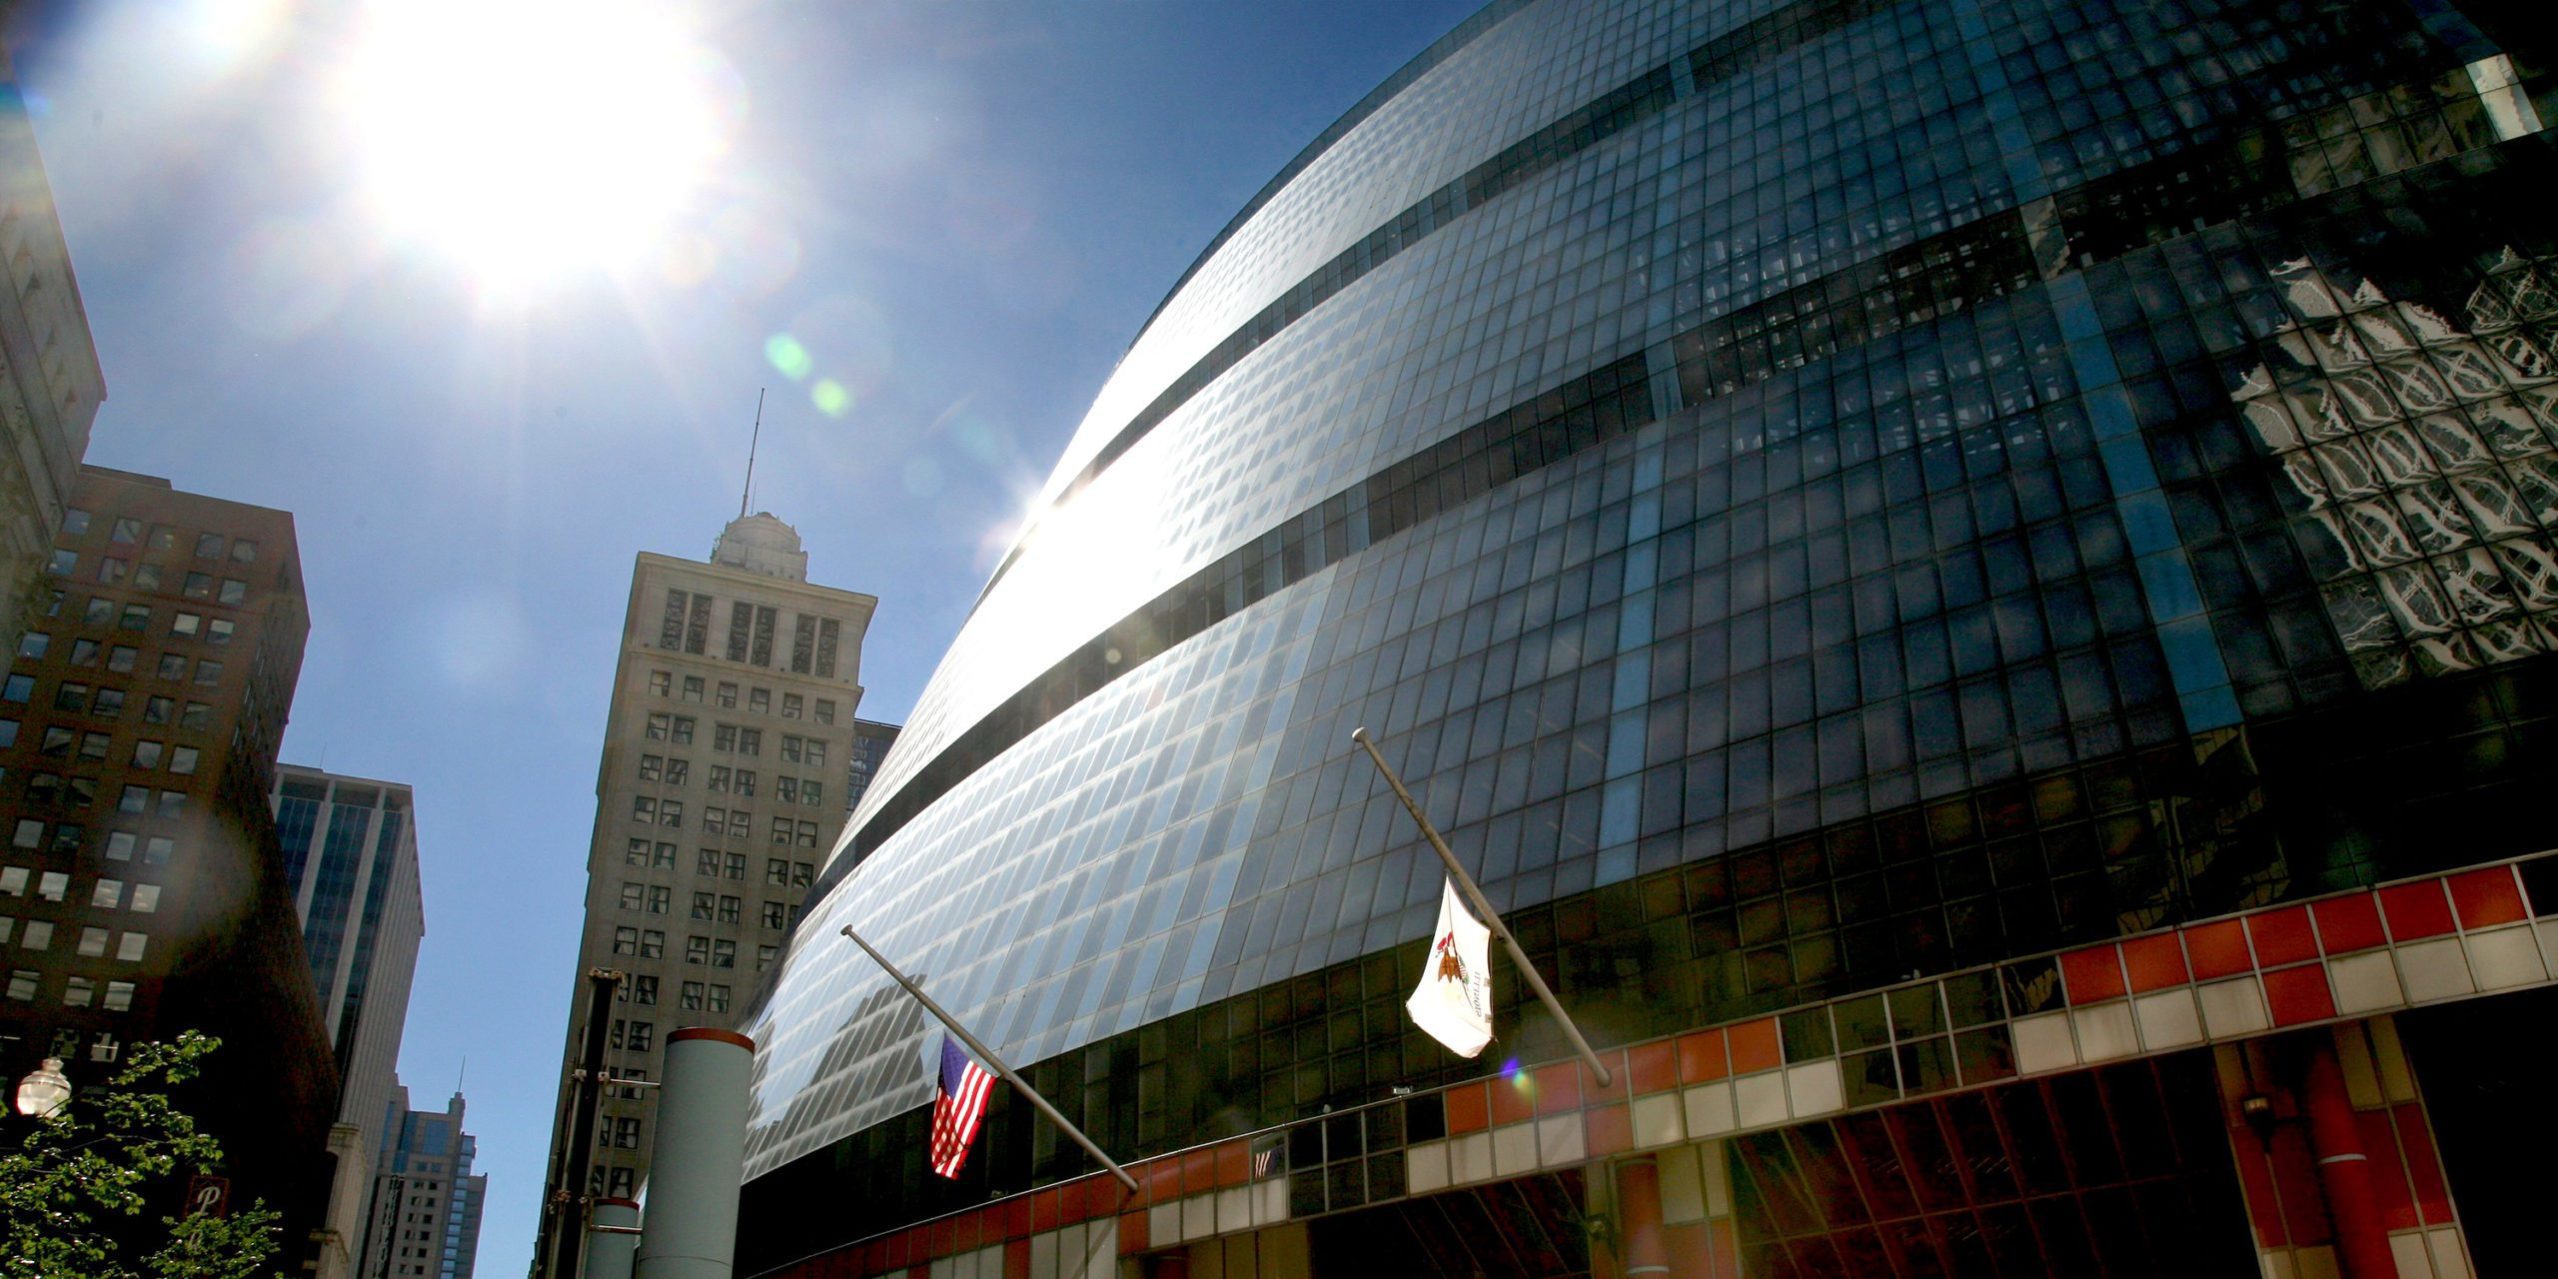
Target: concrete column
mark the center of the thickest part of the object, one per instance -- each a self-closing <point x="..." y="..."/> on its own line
<point x="700" y="1157"/>
<point x="609" y="1252"/>
<point x="2344" y="1172"/>
<point x="1640" y="1244"/>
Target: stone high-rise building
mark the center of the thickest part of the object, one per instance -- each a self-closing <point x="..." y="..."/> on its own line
<point x="50" y="385"/>
<point x="725" y="751"/>
<point x="142" y="889"/>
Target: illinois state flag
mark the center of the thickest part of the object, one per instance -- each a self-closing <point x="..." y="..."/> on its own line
<point x="1454" y="1002"/>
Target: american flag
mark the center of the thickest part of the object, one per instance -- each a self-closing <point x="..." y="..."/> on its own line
<point x="958" y="1109"/>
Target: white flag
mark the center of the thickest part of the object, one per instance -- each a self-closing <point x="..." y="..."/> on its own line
<point x="1454" y="1002"/>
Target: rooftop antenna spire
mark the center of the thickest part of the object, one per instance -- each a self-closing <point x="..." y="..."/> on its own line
<point x="462" y="1074"/>
<point x="743" y="499"/>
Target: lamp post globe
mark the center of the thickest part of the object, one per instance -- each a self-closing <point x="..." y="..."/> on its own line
<point x="44" y="1090"/>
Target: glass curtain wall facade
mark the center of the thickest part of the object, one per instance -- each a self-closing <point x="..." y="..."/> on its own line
<point x="1815" y="497"/>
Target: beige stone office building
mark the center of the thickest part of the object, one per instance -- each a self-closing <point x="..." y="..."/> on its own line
<point x="50" y="385"/>
<point x="721" y="787"/>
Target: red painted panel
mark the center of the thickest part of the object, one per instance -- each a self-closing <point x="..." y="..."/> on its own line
<point x="1754" y="1046"/>
<point x="1655" y="1067"/>
<point x="2218" y="950"/>
<point x="2390" y="1191"/>
<point x="2282" y="936"/>
<point x="1611" y="1130"/>
<point x="1017" y="1259"/>
<point x="2256" y="1176"/>
<point x="2156" y="962"/>
<point x="1468" y="1110"/>
<point x="2348" y="923"/>
<point x="1132" y="1233"/>
<point x="1558" y="1088"/>
<point x="1045" y="1214"/>
<point x="2424" y="1164"/>
<point x="2298" y="995"/>
<point x="1158" y="1181"/>
<point x="1234" y="1163"/>
<point x="1727" y="1250"/>
<point x="2416" y="910"/>
<point x="1012" y="1217"/>
<point x="2093" y="975"/>
<point x="2487" y="897"/>
<point x="1701" y="1057"/>
<point x="1592" y="1091"/>
<point x="2296" y="1178"/>
<point x="1513" y="1097"/>
<point x="1199" y="1171"/>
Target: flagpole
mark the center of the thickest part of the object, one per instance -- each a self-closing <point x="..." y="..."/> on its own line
<point x="987" y="1055"/>
<point x="1483" y="909"/>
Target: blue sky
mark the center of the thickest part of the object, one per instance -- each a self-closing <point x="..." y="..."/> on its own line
<point x="962" y="209"/>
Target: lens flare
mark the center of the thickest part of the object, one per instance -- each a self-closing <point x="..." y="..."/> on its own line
<point x="830" y="397"/>
<point x="787" y="356"/>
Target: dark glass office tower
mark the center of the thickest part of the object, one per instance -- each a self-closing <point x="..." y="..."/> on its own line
<point x="1975" y="578"/>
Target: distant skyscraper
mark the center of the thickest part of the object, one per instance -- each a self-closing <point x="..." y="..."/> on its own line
<point x="425" y="1222"/>
<point x="50" y="385"/>
<point x="730" y="729"/>
<point x="142" y="890"/>
<point x="350" y="853"/>
<point x="871" y="740"/>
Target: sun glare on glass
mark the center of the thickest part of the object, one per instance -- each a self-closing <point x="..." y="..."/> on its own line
<point x="532" y="138"/>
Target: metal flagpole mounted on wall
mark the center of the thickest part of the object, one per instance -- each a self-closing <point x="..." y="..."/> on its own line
<point x="1483" y="909"/>
<point x="988" y="1056"/>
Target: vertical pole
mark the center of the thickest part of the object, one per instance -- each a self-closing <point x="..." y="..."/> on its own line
<point x="699" y="1159"/>
<point x="2344" y="1171"/>
<point x="1639" y="1243"/>
<point x="1483" y="910"/>
<point x="564" y="1221"/>
<point x="613" y="1239"/>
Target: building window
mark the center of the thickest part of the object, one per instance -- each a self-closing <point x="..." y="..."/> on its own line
<point x="791" y="703"/>
<point x="760" y="700"/>
<point x="803" y="643"/>
<point x="644" y="810"/>
<point x="825" y="710"/>
<point x="57" y="742"/>
<point x="129" y="947"/>
<point x="786" y="789"/>
<point x="30" y="834"/>
<point x="110" y="703"/>
<point x="812" y="791"/>
<point x="777" y="872"/>
<point x="652" y="944"/>
<point x="243" y="551"/>
<point x="172" y="802"/>
<point x="8" y="733"/>
<point x="781" y="830"/>
<point x="208" y="672"/>
<point x="112" y="569"/>
<point x="173" y="666"/>
<point x="773" y="917"/>
<point x="93" y="943"/>
<point x="106" y="894"/>
<point x="765" y="955"/>
<point x="625" y="941"/>
<point x="703" y="904"/>
<point x="745" y="782"/>
<point x="659" y="725"/>
<point x="635" y="852"/>
<point x="182" y="761"/>
<point x="718" y="780"/>
<point x="75" y="521"/>
<point x="33" y="644"/>
<point x="197" y="715"/>
<point x="93" y="747"/>
<point x="13" y="881"/>
<point x="158" y="850"/>
<point x="217" y="631"/>
<point x="718" y="997"/>
<point x="727" y="698"/>
<point x="690" y="996"/>
<point x="633" y="895"/>
<point x="643" y="1036"/>
<point x="121" y="659"/>
<point x="737" y="866"/>
<point x="78" y="992"/>
<point x="71" y="697"/>
<point x="22" y="985"/>
<point x="807" y="836"/>
<point x="652" y="768"/>
<point x="147" y="577"/>
<point x="37" y="935"/>
<point x="729" y="908"/>
<point x="677" y="771"/>
<point x="158" y="710"/>
<point x="135" y="617"/>
<point x="661" y="683"/>
<point x="643" y="991"/>
<point x="134" y="800"/>
<point x="198" y="586"/>
<point x="208" y="546"/>
<point x="119" y="996"/>
<point x="697" y="950"/>
<point x="146" y="899"/>
<point x="64" y="562"/>
<point x="706" y="862"/>
<point x="127" y="529"/>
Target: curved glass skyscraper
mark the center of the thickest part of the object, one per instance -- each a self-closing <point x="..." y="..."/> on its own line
<point x="1974" y="577"/>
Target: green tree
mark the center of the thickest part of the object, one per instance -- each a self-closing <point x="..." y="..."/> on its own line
<point x="73" y="1192"/>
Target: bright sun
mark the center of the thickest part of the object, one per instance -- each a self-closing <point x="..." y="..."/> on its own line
<point x="532" y="138"/>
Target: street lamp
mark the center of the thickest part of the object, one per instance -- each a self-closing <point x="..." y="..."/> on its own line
<point x="44" y="1090"/>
